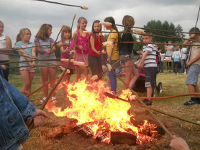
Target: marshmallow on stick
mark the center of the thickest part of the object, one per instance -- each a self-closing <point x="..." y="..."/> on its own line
<point x="87" y="32"/>
<point x="106" y="23"/>
<point x="139" y="31"/>
<point x="79" y="63"/>
<point x="107" y="43"/>
<point x="85" y="8"/>
<point x="62" y="44"/>
<point x="66" y="60"/>
<point x="103" y="51"/>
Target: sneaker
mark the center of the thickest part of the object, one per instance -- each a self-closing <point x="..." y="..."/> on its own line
<point x="192" y="101"/>
<point x="177" y="74"/>
<point x="147" y="101"/>
<point x="42" y="100"/>
<point x="184" y="73"/>
<point x="54" y="99"/>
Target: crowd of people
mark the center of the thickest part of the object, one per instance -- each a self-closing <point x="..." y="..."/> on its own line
<point x="89" y="50"/>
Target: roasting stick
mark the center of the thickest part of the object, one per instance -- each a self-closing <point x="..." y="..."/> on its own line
<point x="139" y="99"/>
<point x="131" y="102"/>
<point x="54" y="88"/>
<point x="82" y="7"/>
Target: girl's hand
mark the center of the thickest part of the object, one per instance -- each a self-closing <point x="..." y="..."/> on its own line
<point x="66" y="50"/>
<point x="98" y="52"/>
<point x="139" y="65"/>
<point x="108" y="59"/>
<point x="3" y="67"/>
<point x="127" y="56"/>
<point x="80" y="47"/>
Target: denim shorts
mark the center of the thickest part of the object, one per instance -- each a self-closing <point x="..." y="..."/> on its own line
<point x="123" y="59"/>
<point x="193" y="74"/>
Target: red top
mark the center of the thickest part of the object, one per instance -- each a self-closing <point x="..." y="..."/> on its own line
<point x="97" y="43"/>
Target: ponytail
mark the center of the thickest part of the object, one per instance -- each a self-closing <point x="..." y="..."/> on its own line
<point x="18" y="38"/>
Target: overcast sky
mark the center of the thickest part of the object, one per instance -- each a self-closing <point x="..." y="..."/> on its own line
<point x="17" y="14"/>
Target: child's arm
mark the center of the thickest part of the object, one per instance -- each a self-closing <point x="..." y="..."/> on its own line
<point x="8" y="42"/>
<point x="193" y="60"/>
<point x="141" y="63"/>
<point x="92" y="45"/>
<point x="111" y="50"/>
<point x="38" y="49"/>
<point x="33" y="56"/>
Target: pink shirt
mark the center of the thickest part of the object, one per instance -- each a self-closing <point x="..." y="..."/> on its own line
<point x="67" y="54"/>
<point x="96" y="45"/>
<point x="82" y="41"/>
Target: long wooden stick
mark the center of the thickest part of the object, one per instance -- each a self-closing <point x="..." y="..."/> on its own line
<point x="53" y="89"/>
<point x="159" y="111"/>
<point x="138" y="98"/>
<point x="82" y="7"/>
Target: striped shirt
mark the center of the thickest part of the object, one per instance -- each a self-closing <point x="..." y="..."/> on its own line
<point x="150" y="60"/>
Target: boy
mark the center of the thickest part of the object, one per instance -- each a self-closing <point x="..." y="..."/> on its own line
<point x="16" y="114"/>
<point x="194" y="66"/>
<point x="148" y="60"/>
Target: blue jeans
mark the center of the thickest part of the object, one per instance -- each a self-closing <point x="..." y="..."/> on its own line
<point x="15" y="110"/>
<point x="183" y="65"/>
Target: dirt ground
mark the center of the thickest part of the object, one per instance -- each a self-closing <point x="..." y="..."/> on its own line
<point x="42" y="139"/>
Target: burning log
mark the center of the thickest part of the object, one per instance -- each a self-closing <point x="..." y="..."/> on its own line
<point x="86" y="132"/>
<point x="102" y="135"/>
<point x="122" y="138"/>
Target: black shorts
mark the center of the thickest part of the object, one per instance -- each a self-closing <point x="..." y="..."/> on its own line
<point x="150" y="76"/>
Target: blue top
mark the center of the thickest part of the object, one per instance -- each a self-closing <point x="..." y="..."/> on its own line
<point x="27" y="49"/>
<point x="15" y="110"/>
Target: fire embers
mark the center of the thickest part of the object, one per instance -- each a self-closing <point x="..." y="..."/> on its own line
<point x="100" y="117"/>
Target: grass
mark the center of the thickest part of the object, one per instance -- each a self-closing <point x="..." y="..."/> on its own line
<point x="172" y="85"/>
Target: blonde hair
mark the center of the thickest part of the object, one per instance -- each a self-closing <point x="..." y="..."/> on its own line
<point x="79" y="21"/>
<point x="128" y="22"/>
<point x="43" y="32"/>
<point x="66" y="29"/>
<point x="21" y="33"/>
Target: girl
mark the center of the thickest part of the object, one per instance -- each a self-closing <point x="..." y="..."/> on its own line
<point x="44" y="43"/>
<point x="27" y="49"/>
<point x="5" y="43"/>
<point x="112" y="51"/>
<point x="176" y="57"/>
<point x="65" y="52"/>
<point x="82" y="47"/>
<point x="95" y="50"/>
<point x="126" y="52"/>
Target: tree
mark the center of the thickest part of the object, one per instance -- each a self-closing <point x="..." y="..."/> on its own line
<point x="158" y="27"/>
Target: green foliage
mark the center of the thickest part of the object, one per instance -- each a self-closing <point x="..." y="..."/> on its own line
<point x="172" y="30"/>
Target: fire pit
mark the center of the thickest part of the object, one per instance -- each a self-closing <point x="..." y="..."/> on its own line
<point x="104" y="119"/>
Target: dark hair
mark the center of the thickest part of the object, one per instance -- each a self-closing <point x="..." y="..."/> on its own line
<point x="112" y="21"/>
<point x="194" y="30"/>
<point x="96" y="21"/>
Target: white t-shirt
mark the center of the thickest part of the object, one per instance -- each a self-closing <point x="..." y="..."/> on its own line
<point x="3" y="45"/>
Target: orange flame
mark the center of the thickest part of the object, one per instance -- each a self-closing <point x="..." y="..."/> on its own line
<point x="89" y="104"/>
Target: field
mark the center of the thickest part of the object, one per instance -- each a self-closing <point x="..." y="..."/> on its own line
<point x="172" y="85"/>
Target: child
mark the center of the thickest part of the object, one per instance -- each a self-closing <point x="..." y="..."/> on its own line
<point x="44" y="44"/>
<point x="162" y="56"/>
<point x="65" y="53"/>
<point x="5" y="43"/>
<point x="82" y="47"/>
<point x="148" y="60"/>
<point x="112" y="51"/>
<point x="176" y="57"/>
<point x="27" y="73"/>
<point x="169" y="50"/>
<point x="126" y="52"/>
<point x="194" y="67"/>
<point x="16" y="114"/>
<point x="183" y="58"/>
<point x="95" y="50"/>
